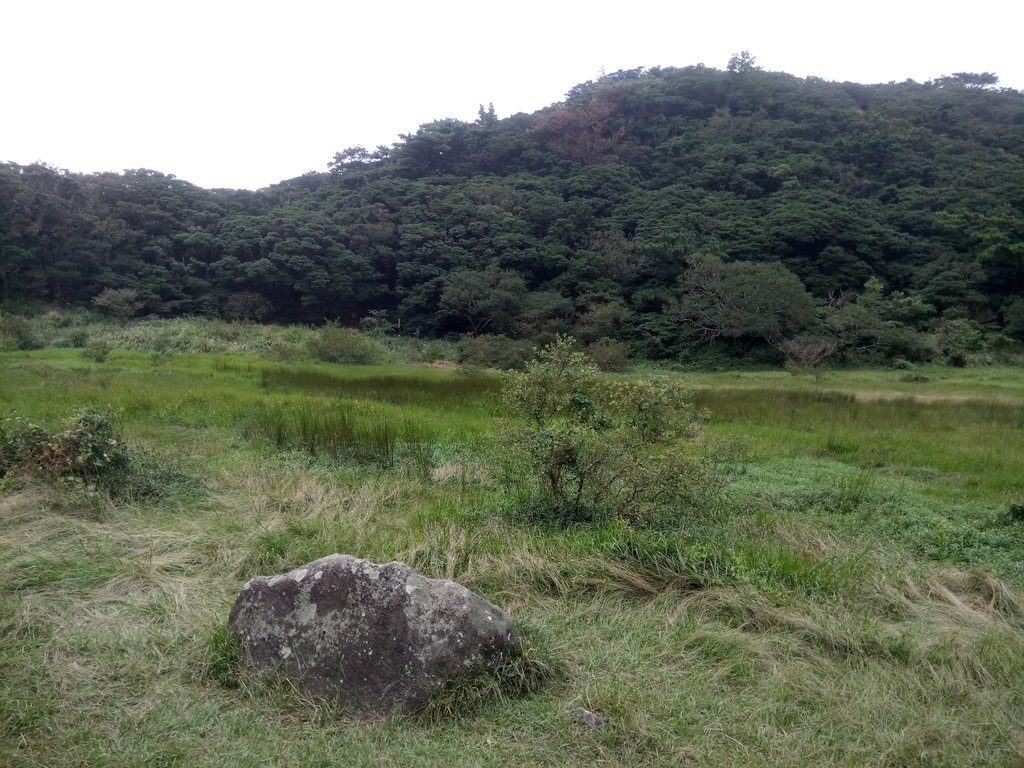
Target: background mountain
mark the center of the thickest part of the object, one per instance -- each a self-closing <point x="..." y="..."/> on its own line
<point x="675" y="210"/>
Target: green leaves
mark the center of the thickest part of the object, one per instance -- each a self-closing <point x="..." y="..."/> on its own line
<point x="587" y="448"/>
<point x="744" y="299"/>
<point x="578" y="219"/>
<point x="86" y="451"/>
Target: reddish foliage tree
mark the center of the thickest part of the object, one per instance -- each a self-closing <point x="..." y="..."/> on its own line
<point x="581" y="134"/>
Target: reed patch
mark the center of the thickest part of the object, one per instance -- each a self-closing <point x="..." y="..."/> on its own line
<point x="343" y="432"/>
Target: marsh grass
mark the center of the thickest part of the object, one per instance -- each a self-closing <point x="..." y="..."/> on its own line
<point x="849" y="492"/>
<point x="343" y="432"/>
<point x="398" y="389"/>
<point x="980" y="438"/>
<point x="858" y="602"/>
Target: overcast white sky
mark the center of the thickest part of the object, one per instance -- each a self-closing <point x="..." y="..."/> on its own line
<point x="244" y="94"/>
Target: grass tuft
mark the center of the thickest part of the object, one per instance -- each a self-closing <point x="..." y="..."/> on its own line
<point x="528" y="672"/>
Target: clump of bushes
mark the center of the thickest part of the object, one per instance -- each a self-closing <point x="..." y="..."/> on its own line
<point x="593" y="450"/>
<point x="16" y="333"/>
<point x="87" y="451"/>
<point x="436" y="349"/>
<point x="608" y="355"/>
<point x="337" y="344"/>
<point x="959" y="339"/>
<point x="494" y="351"/>
<point x="97" y="351"/>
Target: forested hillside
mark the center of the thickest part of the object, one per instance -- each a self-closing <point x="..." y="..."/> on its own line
<point x="674" y="210"/>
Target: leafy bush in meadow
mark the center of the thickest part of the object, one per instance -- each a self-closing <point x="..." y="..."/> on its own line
<point x="97" y="351"/>
<point x="88" y="453"/>
<point x="87" y="450"/>
<point x="336" y="344"/>
<point x="494" y="351"/>
<point x="16" y="332"/>
<point x="608" y="355"/>
<point x="593" y="449"/>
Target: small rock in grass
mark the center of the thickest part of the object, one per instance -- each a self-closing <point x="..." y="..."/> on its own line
<point x="591" y="719"/>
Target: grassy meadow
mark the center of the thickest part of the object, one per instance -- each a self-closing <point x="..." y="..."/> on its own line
<point x="855" y="597"/>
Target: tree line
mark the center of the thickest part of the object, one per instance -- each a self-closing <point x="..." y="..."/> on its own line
<point x="680" y="212"/>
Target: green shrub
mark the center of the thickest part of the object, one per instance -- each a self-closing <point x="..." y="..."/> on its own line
<point x="8" y="343"/>
<point x="959" y="338"/>
<point x="336" y="344"/>
<point x="592" y="449"/>
<point x="78" y="338"/>
<point x="284" y="352"/>
<point x="21" y="446"/>
<point x="378" y="324"/>
<point x="16" y="333"/>
<point x="97" y="351"/>
<point x="435" y="349"/>
<point x="87" y="453"/>
<point x="608" y="355"/>
<point x="494" y="351"/>
<point x="119" y="302"/>
<point x="88" y="450"/>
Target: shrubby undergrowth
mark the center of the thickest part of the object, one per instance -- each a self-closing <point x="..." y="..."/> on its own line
<point x="494" y="351"/>
<point x="336" y="344"/>
<point x="594" y="449"/>
<point x="88" y="453"/>
<point x="960" y="343"/>
<point x="87" y="450"/>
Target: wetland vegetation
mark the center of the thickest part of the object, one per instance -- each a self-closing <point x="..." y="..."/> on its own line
<point x="853" y="595"/>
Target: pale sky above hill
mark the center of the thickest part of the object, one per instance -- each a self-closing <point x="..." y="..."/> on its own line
<point x="225" y="93"/>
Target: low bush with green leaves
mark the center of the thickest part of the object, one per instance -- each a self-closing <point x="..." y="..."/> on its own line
<point x="17" y="333"/>
<point x="494" y="351"/>
<point x="88" y="454"/>
<point x="97" y="351"/>
<point x="608" y="355"/>
<point x="88" y="450"/>
<point x="337" y="344"/>
<point x="594" y="449"/>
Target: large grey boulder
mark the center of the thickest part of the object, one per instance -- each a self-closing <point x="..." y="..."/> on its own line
<point x="378" y="638"/>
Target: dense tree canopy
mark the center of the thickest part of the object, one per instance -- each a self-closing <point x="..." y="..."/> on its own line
<point x="662" y="208"/>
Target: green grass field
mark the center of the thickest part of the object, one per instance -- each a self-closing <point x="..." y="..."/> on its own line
<point x="856" y="599"/>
